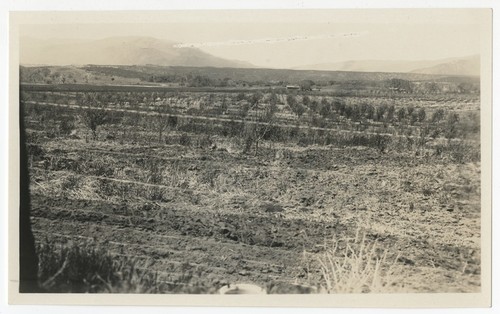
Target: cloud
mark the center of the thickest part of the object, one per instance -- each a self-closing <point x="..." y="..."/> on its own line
<point x="267" y="40"/>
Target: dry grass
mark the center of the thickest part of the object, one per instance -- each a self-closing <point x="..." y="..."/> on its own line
<point x="86" y="268"/>
<point x="89" y="267"/>
<point x="356" y="266"/>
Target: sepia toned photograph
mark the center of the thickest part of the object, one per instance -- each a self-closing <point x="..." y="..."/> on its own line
<point x="264" y="153"/>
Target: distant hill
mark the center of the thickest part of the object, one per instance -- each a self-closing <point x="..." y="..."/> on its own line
<point x="117" y="51"/>
<point x="467" y="66"/>
<point x="396" y="66"/>
<point x="451" y="66"/>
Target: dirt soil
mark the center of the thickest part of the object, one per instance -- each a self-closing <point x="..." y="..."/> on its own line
<point x="261" y="219"/>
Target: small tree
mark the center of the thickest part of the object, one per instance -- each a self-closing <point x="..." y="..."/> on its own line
<point x="390" y="113"/>
<point x="295" y="107"/>
<point x="163" y="122"/>
<point x="421" y="115"/>
<point x="451" y="128"/>
<point x="432" y="88"/>
<point x="299" y="110"/>
<point x="326" y="109"/>
<point x="245" y="107"/>
<point x="314" y="106"/>
<point x="381" y="142"/>
<point x="400" y="86"/>
<point x="380" y="112"/>
<point x="356" y="113"/>
<point x="401" y="114"/>
<point x="339" y="106"/>
<point x="413" y="118"/>
<point x="291" y="101"/>
<point x="306" y="101"/>
<point x="273" y="99"/>
<point x="67" y="125"/>
<point x="306" y="85"/>
<point x="369" y="112"/>
<point x="410" y="110"/>
<point x="438" y="115"/>
<point x="240" y="97"/>
<point x="255" y="98"/>
<point x="94" y="114"/>
<point x="260" y="128"/>
<point x="465" y="88"/>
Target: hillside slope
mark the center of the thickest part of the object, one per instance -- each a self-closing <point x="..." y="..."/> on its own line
<point x="451" y="66"/>
<point x="117" y="51"/>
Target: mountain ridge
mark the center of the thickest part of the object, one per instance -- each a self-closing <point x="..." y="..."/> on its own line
<point x="123" y="50"/>
<point x="468" y="66"/>
<point x="144" y="50"/>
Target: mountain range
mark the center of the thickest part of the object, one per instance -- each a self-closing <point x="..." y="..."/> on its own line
<point x="118" y="51"/>
<point x="469" y="66"/>
<point x="153" y="51"/>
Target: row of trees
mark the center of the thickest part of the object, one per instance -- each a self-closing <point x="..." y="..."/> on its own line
<point x="333" y="110"/>
<point x="360" y="112"/>
<point x="259" y="113"/>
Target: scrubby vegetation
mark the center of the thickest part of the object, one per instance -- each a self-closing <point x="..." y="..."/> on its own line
<point x="87" y="267"/>
<point x="172" y="190"/>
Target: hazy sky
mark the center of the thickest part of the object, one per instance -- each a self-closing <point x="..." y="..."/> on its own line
<point x="292" y="38"/>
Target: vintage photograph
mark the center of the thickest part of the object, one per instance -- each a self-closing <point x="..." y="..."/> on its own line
<point x="262" y="152"/>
